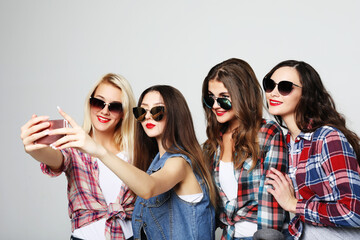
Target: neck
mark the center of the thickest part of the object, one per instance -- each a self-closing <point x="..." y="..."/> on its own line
<point x="106" y="140"/>
<point x="160" y="146"/>
<point x="291" y="124"/>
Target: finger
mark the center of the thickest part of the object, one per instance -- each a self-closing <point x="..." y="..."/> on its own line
<point x="289" y="180"/>
<point x="273" y="183"/>
<point x="68" y="118"/>
<point x="278" y="173"/>
<point x="33" y="147"/>
<point x="272" y="192"/>
<point x="64" y="131"/>
<point x="64" y="140"/>
<point x="273" y="176"/>
<point x="31" y="139"/>
<point x="41" y="127"/>
<point x="33" y="121"/>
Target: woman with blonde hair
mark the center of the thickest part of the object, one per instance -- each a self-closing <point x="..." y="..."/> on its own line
<point x="100" y="204"/>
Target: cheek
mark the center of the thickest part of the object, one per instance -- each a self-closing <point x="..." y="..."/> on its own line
<point x="267" y="95"/>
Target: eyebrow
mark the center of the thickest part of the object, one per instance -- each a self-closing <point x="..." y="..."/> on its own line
<point x="222" y="93"/>
<point x="102" y="98"/>
<point x="159" y="103"/>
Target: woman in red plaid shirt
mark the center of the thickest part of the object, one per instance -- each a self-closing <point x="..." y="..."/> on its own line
<point x="100" y="204"/>
<point x="242" y="147"/>
<point x="323" y="184"/>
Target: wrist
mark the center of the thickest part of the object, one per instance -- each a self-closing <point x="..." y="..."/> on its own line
<point x="293" y="208"/>
<point x="101" y="152"/>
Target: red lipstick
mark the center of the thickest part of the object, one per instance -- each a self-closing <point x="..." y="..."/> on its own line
<point x="150" y="125"/>
<point x="102" y="119"/>
<point x="274" y="102"/>
<point x="220" y="113"/>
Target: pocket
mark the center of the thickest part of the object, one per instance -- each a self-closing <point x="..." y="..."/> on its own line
<point x="159" y="200"/>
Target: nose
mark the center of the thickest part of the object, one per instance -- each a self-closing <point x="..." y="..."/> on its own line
<point x="275" y="91"/>
<point x="147" y="114"/>
<point x="105" y="110"/>
<point x="216" y="104"/>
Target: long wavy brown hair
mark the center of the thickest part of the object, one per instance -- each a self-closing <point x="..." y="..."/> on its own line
<point x="178" y="136"/>
<point x="316" y="107"/>
<point x="247" y="101"/>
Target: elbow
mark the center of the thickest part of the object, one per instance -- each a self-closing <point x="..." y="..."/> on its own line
<point x="147" y="192"/>
<point x="146" y="195"/>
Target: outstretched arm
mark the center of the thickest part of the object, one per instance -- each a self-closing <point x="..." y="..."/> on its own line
<point x="144" y="185"/>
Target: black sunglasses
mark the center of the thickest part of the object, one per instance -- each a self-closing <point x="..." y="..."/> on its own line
<point x="157" y="113"/>
<point x="224" y="103"/>
<point x="98" y="104"/>
<point x="284" y="87"/>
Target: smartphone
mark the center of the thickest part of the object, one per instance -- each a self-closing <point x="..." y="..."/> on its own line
<point x="54" y="124"/>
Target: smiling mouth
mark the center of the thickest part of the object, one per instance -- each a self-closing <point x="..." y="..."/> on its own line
<point x="274" y="102"/>
<point x="150" y="125"/>
<point x="102" y="119"/>
<point x="218" y="113"/>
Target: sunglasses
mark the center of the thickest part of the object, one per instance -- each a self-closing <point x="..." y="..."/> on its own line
<point x="284" y="87"/>
<point x="98" y="104"/>
<point x="223" y="102"/>
<point x="157" y="113"/>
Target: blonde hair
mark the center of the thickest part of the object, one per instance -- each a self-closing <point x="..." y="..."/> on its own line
<point x="124" y="132"/>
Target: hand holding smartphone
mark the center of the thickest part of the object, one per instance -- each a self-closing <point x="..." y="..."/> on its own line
<point x="54" y="124"/>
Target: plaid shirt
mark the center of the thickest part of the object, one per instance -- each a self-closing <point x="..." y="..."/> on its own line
<point x="254" y="203"/>
<point x="86" y="201"/>
<point x="325" y="175"/>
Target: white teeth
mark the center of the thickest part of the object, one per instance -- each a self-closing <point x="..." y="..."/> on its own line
<point x="104" y="119"/>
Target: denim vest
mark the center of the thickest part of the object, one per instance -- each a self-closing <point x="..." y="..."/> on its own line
<point x="168" y="217"/>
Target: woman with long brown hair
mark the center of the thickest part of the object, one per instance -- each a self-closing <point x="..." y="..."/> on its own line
<point x="323" y="184"/>
<point x="241" y="148"/>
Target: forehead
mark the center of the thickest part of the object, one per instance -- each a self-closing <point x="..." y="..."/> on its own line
<point x="216" y="86"/>
<point x="152" y="98"/>
<point x="286" y="73"/>
<point x="108" y="92"/>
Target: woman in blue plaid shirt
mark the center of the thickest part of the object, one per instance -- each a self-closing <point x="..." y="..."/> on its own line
<point x="241" y="148"/>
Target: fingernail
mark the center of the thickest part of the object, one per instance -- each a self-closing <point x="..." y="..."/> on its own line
<point x="47" y="132"/>
<point x="58" y="108"/>
<point x="52" y="146"/>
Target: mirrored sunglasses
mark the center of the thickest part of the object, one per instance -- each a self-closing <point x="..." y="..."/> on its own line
<point x="224" y="103"/>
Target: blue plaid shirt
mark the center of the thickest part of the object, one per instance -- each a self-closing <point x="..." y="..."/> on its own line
<point x="326" y="178"/>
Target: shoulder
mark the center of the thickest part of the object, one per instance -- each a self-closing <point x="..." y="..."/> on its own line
<point x="328" y="133"/>
<point x="178" y="156"/>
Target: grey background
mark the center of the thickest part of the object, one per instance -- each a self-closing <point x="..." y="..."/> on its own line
<point x="51" y="53"/>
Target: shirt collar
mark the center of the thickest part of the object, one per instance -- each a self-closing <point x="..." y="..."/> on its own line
<point x="306" y="136"/>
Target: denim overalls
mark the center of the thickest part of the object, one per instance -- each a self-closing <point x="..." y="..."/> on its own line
<point x="168" y="217"/>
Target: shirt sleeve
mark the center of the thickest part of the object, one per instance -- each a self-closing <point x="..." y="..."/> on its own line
<point x="47" y="170"/>
<point x="335" y="182"/>
<point x="270" y="214"/>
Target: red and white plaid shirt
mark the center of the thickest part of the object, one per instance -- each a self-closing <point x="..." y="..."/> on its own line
<point x="86" y="201"/>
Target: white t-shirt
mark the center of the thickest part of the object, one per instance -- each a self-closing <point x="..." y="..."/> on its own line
<point x="110" y="185"/>
<point x="229" y="185"/>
